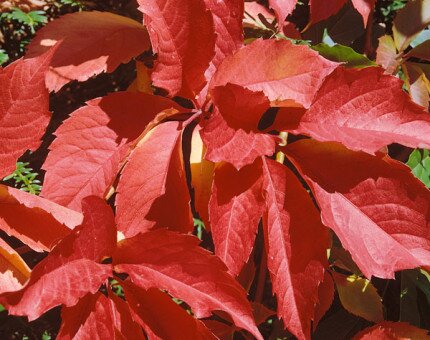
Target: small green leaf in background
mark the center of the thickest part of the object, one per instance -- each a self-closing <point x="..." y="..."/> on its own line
<point x="2" y="309"/>
<point x="30" y="19"/>
<point x="419" y="162"/>
<point x="200" y="226"/>
<point x="25" y="179"/>
<point x="3" y="57"/>
<point x="343" y="54"/>
<point x="46" y="336"/>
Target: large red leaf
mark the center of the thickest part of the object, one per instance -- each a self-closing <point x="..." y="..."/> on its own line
<point x="182" y="35"/>
<point x="96" y="139"/>
<point x="280" y="69"/>
<point x="14" y="272"/>
<point x="297" y="245"/>
<point x="227" y="17"/>
<point x="35" y="221"/>
<point x="392" y="330"/>
<point x="365" y="110"/>
<point x="235" y="208"/>
<point x="168" y="320"/>
<point x="71" y="270"/>
<point x="24" y="109"/>
<point x="174" y="262"/>
<point x="91" y="43"/>
<point x="377" y="208"/>
<point x="231" y="134"/>
<point x="153" y="182"/>
<point x="97" y="317"/>
<point x="282" y="8"/>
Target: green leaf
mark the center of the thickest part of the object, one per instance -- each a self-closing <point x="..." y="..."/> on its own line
<point x="343" y="54"/>
<point x="3" y="57"/>
<point x="2" y="309"/>
<point x="419" y="162"/>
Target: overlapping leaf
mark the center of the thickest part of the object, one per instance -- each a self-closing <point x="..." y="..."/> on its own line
<point x="91" y="43"/>
<point x="14" y="272"/>
<point x="297" y="243"/>
<point x="167" y="320"/>
<point x="282" y="8"/>
<point x="153" y="182"/>
<point x="24" y="109"/>
<point x="35" y="221"/>
<point x="182" y="35"/>
<point x="235" y="209"/>
<point x="280" y="69"/>
<point x="175" y="263"/>
<point x="377" y="208"/>
<point x="392" y="330"/>
<point x="365" y="110"/>
<point x="231" y="134"/>
<point x="95" y="139"/>
<point x="96" y="316"/>
<point x="72" y="269"/>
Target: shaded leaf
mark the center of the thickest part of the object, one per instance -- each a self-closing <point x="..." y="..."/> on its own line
<point x="156" y="310"/>
<point x="377" y="208"/>
<point x="410" y="21"/>
<point x="325" y="298"/>
<point x="148" y="189"/>
<point x="359" y="297"/>
<point x="321" y="10"/>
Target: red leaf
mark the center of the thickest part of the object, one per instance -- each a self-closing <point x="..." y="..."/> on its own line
<point x="231" y="134"/>
<point x="96" y="139"/>
<point x="167" y="320"/>
<point x="392" y="330"/>
<point x="261" y="312"/>
<point x="91" y="43"/>
<point x="280" y="69"/>
<point x="321" y="10"/>
<point x="24" y="110"/>
<point x="325" y="298"/>
<point x="235" y="209"/>
<point x="14" y="272"/>
<point x="364" y="7"/>
<point x="153" y="182"/>
<point x="182" y="35"/>
<point x="297" y="244"/>
<point x="282" y="8"/>
<point x="69" y="272"/>
<point x="365" y="110"/>
<point x="97" y="317"/>
<point x="35" y="221"/>
<point x="175" y="263"/>
<point x="386" y="54"/>
<point x="377" y="208"/>
<point x="227" y="17"/>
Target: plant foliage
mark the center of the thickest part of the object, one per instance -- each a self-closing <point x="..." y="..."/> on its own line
<point x="278" y="148"/>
